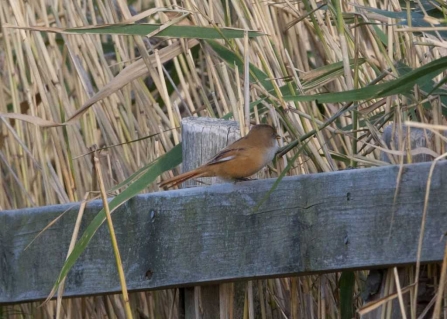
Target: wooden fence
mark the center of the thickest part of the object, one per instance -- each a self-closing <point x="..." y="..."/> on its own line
<point x="309" y="224"/>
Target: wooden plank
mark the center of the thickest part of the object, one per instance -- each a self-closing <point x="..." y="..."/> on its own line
<point x="310" y="223"/>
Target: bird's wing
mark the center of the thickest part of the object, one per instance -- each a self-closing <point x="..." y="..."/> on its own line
<point x="230" y="152"/>
<point x="225" y="155"/>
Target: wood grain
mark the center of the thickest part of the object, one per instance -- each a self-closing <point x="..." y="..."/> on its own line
<point x="310" y="223"/>
<point x="203" y="138"/>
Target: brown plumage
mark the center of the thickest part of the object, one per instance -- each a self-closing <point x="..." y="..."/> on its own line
<point x="239" y="160"/>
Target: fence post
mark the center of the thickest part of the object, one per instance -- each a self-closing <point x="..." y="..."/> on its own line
<point x="382" y="281"/>
<point x="202" y="138"/>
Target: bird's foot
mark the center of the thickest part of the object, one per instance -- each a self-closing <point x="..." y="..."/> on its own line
<point x="244" y="179"/>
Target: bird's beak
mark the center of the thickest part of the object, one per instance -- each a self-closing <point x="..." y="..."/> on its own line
<point x="278" y="137"/>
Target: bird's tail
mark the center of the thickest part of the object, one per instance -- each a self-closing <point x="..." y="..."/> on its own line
<point x="176" y="180"/>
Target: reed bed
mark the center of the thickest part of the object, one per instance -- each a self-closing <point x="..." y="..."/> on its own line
<point x="306" y="48"/>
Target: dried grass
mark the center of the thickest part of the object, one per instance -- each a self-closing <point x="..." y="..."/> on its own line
<point x="52" y="76"/>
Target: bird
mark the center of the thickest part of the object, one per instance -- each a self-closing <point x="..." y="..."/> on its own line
<point x="237" y="161"/>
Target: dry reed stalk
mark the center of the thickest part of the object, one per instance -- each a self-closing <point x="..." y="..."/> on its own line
<point x="37" y="166"/>
<point x="119" y="263"/>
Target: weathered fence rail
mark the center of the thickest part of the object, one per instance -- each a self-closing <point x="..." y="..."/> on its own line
<point x="310" y="223"/>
